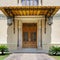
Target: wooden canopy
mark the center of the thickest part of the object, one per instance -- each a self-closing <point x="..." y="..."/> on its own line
<point x="30" y="10"/>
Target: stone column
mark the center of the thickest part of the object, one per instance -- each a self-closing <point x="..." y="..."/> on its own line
<point x="39" y="34"/>
<point x="20" y="34"/>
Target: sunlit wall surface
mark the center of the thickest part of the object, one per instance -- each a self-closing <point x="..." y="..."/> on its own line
<point x="19" y="2"/>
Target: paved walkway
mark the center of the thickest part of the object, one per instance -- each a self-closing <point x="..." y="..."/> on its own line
<point x="29" y="56"/>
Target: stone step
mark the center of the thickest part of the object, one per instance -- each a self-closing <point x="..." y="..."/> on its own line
<point x="30" y="51"/>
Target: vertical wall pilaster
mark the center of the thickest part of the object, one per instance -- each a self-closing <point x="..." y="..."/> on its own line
<point x="20" y="34"/>
<point x="39" y="34"/>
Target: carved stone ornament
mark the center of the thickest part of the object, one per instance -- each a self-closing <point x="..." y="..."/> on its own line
<point x="9" y="21"/>
<point x="50" y="20"/>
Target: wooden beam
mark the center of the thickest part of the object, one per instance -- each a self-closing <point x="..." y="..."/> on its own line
<point x="3" y="10"/>
<point x="51" y="11"/>
<point x="24" y="12"/>
<point x="56" y="10"/>
<point x="13" y="12"/>
<point x="27" y="12"/>
<point x="20" y="13"/>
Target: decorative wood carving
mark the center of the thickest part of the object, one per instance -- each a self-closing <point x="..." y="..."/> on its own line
<point x="45" y="24"/>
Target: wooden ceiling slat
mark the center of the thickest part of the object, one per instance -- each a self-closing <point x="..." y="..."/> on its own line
<point x="16" y="12"/>
<point x="35" y="12"/>
<point x="27" y="12"/>
<point x="38" y="12"/>
<point x="51" y="12"/>
<point x="20" y="12"/>
<point x="13" y="12"/>
<point x="31" y="12"/>
<point x="55" y="11"/>
<point x="46" y="12"/>
<point x="24" y="12"/>
<point x="4" y="12"/>
<point x="8" y="12"/>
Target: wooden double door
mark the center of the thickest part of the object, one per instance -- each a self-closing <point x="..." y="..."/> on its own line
<point x="29" y="35"/>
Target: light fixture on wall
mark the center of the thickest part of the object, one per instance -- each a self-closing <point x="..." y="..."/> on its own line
<point x="9" y="21"/>
<point x="50" y="20"/>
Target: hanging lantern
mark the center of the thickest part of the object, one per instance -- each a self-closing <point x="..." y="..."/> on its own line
<point x="9" y="21"/>
<point x="50" y="20"/>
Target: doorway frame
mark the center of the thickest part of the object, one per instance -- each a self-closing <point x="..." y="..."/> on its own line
<point x="36" y="33"/>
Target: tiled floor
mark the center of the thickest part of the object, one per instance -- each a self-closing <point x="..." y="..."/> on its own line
<point x="29" y="56"/>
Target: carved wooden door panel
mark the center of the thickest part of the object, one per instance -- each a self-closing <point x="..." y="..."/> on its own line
<point x="29" y="35"/>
